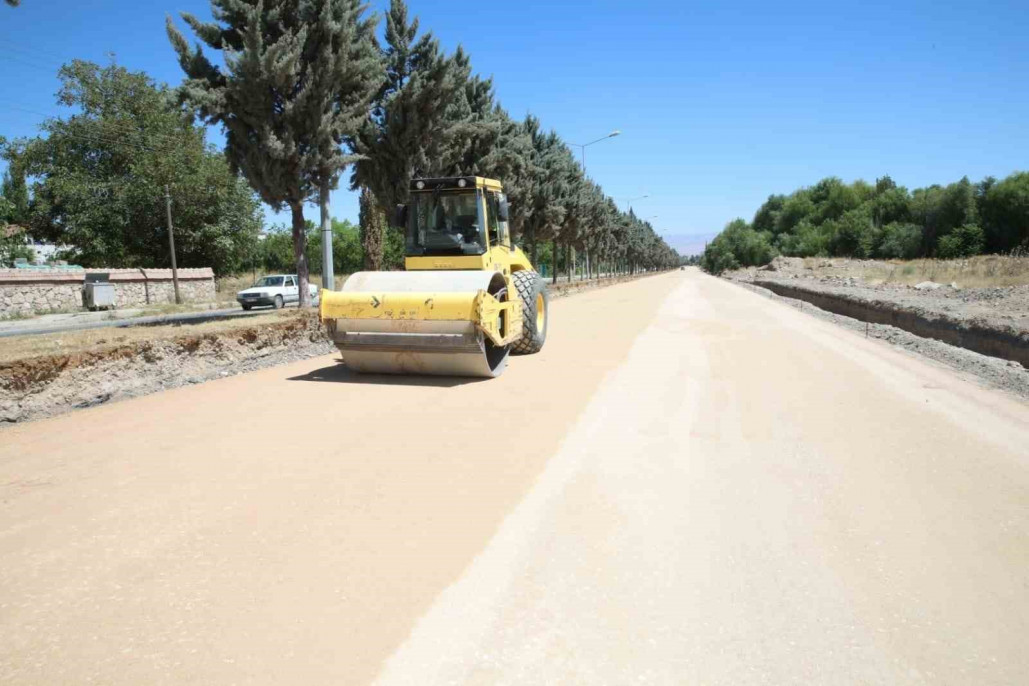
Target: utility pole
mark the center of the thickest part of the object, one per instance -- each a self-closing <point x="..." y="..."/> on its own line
<point x="171" y="244"/>
<point x="328" y="279"/>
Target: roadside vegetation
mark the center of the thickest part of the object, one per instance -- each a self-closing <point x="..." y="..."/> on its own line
<point x="95" y="179"/>
<point x="880" y="221"/>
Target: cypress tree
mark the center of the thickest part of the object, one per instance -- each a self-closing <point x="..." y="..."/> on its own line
<point x="297" y="81"/>
<point x="372" y="229"/>
<point x="552" y="188"/>
<point x="403" y="135"/>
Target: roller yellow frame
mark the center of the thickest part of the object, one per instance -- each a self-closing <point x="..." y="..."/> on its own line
<point x="483" y="310"/>
<point x="467" y="298"/>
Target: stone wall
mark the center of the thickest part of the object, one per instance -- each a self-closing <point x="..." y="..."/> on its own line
<point x="34" y="291"/>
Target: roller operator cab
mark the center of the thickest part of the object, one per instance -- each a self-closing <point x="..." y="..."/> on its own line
<point x="467" y="299"/>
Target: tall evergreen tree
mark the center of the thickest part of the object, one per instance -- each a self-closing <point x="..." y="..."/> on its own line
<point x="297" y="80"/>
<point x="409" y="112"/>
<point x="552" y="190"/>
<point x="372" y="231"/>
<point x="483" y="140"/>
<point x="546" y="207"/>
<point x="407" y="131"/>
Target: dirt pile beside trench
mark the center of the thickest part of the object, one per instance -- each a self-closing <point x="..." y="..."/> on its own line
<point x="47" y="385"/>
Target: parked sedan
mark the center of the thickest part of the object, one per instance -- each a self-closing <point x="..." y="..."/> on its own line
<point x="277" y="290"/>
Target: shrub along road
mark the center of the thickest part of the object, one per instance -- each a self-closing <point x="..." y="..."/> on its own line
<point x="691" y="483"/>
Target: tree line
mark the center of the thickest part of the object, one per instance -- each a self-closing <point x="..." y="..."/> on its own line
<point x="308" y="96"/>
<point x="309" y="91"/>
<point x="884" y="221"/>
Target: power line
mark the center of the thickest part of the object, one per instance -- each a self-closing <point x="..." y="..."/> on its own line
<point x="94" y="138"/>
<point x="119" y="128"/>
<point x="34" y="50"/>
<point x="50" y="69"/>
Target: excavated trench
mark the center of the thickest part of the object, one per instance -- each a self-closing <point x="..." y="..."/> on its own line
<point x="987" y="338"/>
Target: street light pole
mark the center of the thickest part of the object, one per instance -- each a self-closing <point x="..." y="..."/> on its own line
<point x="583" y="146"/>
<point x="628" y="201"/>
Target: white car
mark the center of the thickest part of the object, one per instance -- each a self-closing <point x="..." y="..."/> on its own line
<point x="276" y="290"/>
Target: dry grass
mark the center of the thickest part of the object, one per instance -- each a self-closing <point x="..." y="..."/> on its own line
<point x="226" y="287"/>
<point x="22" y="347"/>
<point x="984" y="271"/>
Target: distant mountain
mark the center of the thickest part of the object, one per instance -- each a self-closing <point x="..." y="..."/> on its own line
<point x="689" y="244"/>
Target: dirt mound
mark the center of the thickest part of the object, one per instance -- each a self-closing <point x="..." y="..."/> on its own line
<point x="51" y="384"/>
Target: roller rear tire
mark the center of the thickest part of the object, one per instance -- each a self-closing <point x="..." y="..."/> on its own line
<point x="535" y="312"/>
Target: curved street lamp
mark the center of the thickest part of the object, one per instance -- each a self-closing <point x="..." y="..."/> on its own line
<point x="583" y="146"/>
<point x="628" y="201"/>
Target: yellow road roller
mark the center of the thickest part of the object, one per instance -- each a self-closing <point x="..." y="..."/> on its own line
<point x="467" y="299"/>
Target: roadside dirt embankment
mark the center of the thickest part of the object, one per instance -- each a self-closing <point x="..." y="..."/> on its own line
<point x="47" y="375"/>
<point x="982" y="335"/>
<point x="51" y="384"/>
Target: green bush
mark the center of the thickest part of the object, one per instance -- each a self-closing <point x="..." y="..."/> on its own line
<point x="275" y="252"/>
<point x="738" y="246"/>
<point x="12" y="249"/>
<point x="861" y="220"/>
<point x="900" y="241"/>
<point x="854" y="234"/>
<point x="964" y="241"/>
<point x="347" y="256"/>
<point x="718" y="258"/>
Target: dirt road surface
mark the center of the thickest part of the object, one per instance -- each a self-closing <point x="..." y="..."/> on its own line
<point x="691" y="484"/>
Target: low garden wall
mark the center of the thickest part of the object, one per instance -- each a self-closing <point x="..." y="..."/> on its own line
<point x="35" y="291"/>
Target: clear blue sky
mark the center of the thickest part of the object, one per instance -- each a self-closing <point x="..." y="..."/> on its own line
<point x="720" y="104"/>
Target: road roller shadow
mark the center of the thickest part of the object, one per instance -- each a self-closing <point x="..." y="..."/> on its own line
<point x="340" y="373"/>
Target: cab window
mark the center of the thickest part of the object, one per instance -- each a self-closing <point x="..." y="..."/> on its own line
<point x="492" y="205"/>
<point x="446" y="223"/>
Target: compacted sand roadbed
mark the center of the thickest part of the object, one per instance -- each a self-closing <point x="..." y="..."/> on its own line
<point x="691" y="483"/>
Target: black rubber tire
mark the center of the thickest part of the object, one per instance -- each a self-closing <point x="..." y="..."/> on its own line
<point x="277" y="304"/>
<point x="247" y="307"/>
<point x="530" y="285"/>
